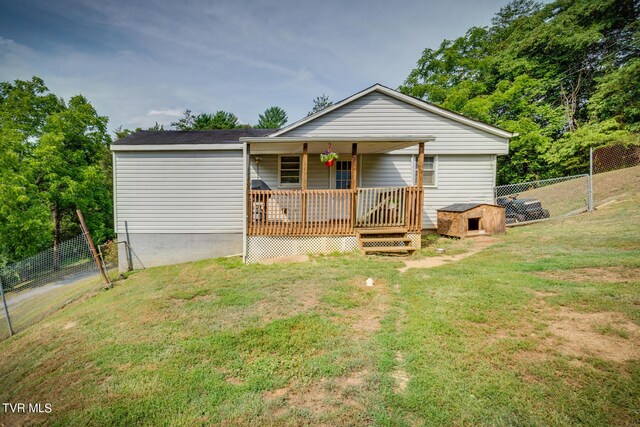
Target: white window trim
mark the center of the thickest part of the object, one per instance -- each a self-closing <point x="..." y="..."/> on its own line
<point x="435" y="171"/>
<point x="285" y="185"/>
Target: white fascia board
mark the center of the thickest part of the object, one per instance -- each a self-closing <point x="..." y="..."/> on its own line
<point x="176" y="147"/>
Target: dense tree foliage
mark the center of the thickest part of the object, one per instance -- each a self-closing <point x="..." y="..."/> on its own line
<point x="206" y="121"/>
<point x="563" y="75"/>
<point x="54" y="159"/>
<point x="320" y="103"/>
<point x="272" y="118"/>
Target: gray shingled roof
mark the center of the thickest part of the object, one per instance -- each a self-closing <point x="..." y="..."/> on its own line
<point x="168" y="137"/>
<point x="463" y="207"/>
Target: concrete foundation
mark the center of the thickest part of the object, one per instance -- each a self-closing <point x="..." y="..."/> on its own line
<point x="151" y="250"/>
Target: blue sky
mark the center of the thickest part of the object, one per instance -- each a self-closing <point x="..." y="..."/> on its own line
<point x="141" y="61"/>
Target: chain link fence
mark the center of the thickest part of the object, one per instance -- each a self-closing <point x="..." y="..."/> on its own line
<point x="614" y="173"/>
<point x="548" y="198"/>
<point x="45" y="282"/>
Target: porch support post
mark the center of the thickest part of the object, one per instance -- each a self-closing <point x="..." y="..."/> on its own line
<point x="420" y="180"/>
<point x="305" y="155"/>
<point x="247" y="205"/>
<point x="354" y="183"/>
<point x="303" y="179"/>
<point x="420" y="184"/>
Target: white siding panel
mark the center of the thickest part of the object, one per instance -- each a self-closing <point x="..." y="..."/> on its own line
<point x="385" y="171"/>
<point x="378" y="115"/>
<point x="465" y="178"/>
<point x="267" y="170"/>
<point x="179" y="192"/>
<point x="461" y="178"/>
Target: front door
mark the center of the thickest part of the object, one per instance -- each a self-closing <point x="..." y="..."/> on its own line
<point x="343" y="174"/>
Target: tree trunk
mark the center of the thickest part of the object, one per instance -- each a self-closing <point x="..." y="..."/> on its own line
<point x="57" y="231"/>
<point x="570" y="103"/>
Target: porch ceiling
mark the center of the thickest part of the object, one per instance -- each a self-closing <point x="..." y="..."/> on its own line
<point x="339" y="145"/>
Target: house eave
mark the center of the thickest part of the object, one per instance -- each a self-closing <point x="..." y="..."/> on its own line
<point x="398" y="138"/>
<point x="176" y="147"/>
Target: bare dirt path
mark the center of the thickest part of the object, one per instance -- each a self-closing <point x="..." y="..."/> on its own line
<point x="479" y="243"/>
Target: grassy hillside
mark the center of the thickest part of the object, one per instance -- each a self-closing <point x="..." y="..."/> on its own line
<point x="570" y="196"/>
<point x="540" y="328"/>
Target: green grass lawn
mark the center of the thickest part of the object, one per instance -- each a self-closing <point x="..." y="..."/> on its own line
<point x="541" y="328"/>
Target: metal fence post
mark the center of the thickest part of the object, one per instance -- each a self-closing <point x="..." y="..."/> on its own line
<point x="590" y="182"/>
<point x="6" y="309"/>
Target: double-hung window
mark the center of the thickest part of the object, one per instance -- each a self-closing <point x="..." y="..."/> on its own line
<point x="289" y="171"/>
<point x="429" y="178"/>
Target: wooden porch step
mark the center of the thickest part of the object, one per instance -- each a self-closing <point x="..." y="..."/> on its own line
<point x="390" y="249"/>
<point x="384" y="239"/>
<point x="382" y="230"/>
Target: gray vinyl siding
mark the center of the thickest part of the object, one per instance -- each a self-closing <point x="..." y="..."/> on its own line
<point x="379" y="170"/>
<point x="377" y="114"/>
<point x="318" y="176"/>
<point x="465" y="178"/>
<point x="266" y="169"/>
<point x="179" y="192"/>
<point x="460" y="178"/>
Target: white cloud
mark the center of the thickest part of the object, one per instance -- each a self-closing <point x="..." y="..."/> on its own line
<point x="243" y="56"/>
<point x="170" y="113"/>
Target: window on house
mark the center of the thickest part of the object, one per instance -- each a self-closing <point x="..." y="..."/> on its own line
<point x="343" y="174"/>
<point x="289" y="171"/>
<point x="429" y="175"/>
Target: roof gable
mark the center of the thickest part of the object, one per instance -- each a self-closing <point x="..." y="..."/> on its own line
<point x="403" y="99"/>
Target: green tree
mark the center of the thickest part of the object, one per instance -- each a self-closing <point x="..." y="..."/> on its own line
<point x="70" y="172"/>
<point x="54" y="158"/>
<point x="617" y="95"/>
<point x="218" y="120"/>
<point x="25" y="221"/>
<point x="185" y="122"/>
<point x="121" y="132"/>
<point x="272" y="118"/>
<point x="543" y="71"/>
<point x="206" y="121"/>
<point x="320" y="103"/>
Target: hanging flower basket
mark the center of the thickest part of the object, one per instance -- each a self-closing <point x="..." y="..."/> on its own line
<point x="329" y="158"/>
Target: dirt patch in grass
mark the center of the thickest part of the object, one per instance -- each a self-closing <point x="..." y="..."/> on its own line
<point x="366" y="317"/>
<point x="600" y="274"/>
<point x="581" y="335"/>
<point x="400" y="375"/>
<point x="69" y="325"/>
<point x="610" y="336"/>
<point x="543" y="294"/>
<point x="531" y="356"/>
<point x="284" y="301"/>
<point x="479" y="243"/>
<point x="285" y="260"/>
<point x="326" y="395"/>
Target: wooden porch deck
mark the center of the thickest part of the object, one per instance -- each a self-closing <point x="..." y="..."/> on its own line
<point x="333" y="212"/>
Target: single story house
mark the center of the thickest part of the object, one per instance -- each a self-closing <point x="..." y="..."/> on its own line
<point x="181" y="196"/>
